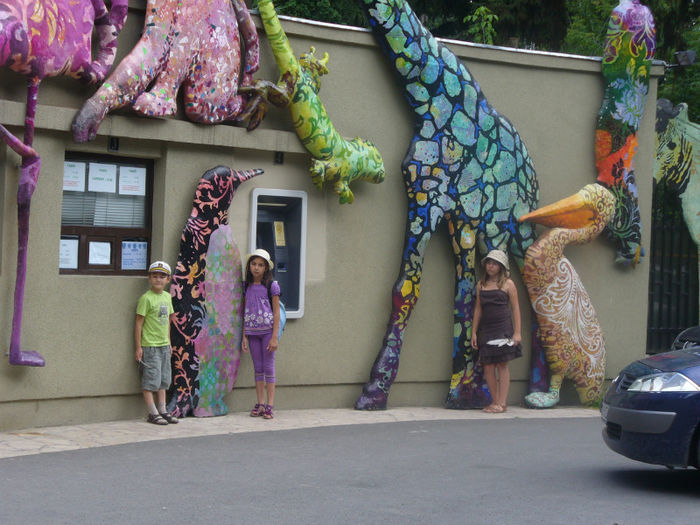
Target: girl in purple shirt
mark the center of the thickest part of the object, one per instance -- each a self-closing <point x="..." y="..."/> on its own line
<point x="261" y="327"/>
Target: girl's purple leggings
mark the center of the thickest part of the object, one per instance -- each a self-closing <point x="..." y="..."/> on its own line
<point x="263" y="359"/>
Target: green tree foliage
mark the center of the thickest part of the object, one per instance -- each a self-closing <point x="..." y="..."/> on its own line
<point x="570" y="26"/>
<point x="481" y="25"/>
<point x="683" y="84"/>
<point x="346" y="12"/>
<point x="588" y="23"/>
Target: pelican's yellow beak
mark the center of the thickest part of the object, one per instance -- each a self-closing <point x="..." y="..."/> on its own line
<point x="571" y="212"/>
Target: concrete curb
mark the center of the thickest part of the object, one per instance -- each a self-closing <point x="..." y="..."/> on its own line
<point x="64" y="438"/>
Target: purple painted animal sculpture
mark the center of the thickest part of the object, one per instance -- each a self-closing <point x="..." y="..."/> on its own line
<point x="196" y="44"/>
<point x="39" y="39"/>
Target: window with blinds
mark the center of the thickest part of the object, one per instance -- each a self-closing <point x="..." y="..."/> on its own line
<point x="105" y="215"/>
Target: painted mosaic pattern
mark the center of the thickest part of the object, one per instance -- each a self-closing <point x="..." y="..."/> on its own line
<point x="206" y="334"/>
<point x="193" y="43"/>
<point x="45" y="38"/>
<point x="629" y="49"/>
<point x="568" y="325"/>
<point x="337" y="161"/>
<point x="39" y="39"/>
<point x="466" y="166"/>
<point x="218" y="344"/>
<point x="678" y="161"/>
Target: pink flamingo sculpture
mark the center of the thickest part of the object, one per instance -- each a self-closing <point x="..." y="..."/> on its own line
<point x="39" y="39"/>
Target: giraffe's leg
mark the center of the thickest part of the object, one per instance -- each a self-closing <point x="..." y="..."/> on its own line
<point x="108" y="24"/>
<point x="404" y="296"/>
<point x="134" y="73"/>
<point x="467" y="387"/>
<point x="161" y="99"/>
<point x="27" y="184"/>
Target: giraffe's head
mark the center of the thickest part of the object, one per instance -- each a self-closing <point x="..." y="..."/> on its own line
<point x="315" y="67"/>
<point x="675" y="142"/>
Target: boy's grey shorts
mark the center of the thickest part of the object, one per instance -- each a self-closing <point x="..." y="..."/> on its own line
<point x="155" y="372"/>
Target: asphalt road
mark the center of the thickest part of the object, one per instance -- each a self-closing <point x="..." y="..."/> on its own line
<point x="554" y="471"/>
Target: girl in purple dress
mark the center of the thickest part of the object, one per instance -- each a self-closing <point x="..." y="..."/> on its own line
<point x="261" y="327"/>
<point x="496" y="327"/>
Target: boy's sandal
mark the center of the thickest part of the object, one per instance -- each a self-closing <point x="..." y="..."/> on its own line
<point x="258" y="410"/>
<point x="169" y="417"/>
<point x="156" y="419"/>
<point x="268" y="412"/>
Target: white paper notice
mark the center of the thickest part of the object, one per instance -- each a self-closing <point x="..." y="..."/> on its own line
<point x="68" y="254"/>
<point x="102" y="178"/>
<point x="132" y="180"/>
<point x="99" y="253"/>
<point x="134" y="255"/>
<point x="73" y="176"/>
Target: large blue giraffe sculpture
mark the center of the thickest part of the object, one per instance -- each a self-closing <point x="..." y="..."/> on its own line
<point x="467" y="166"/>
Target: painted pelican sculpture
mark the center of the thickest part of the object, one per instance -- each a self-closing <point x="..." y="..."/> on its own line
<point x="568" y="324"/>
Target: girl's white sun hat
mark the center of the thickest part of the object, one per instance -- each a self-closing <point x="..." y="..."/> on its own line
<point x="498" y="256"/>
<point x="263" y="254"/>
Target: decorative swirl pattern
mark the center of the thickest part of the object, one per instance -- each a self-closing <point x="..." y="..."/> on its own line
<point x="568" y="324"/>
<point x="629" y="49"/>
<point x="206" y="333"/>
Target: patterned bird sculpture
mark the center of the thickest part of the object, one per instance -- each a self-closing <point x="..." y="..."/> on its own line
<point x="207" y="298"/>
<point x="568" y="325"/>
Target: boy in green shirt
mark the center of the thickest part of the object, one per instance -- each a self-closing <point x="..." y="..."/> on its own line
<point x="154" y="312"/>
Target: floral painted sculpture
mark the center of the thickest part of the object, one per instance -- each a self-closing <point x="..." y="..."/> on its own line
<point x="629" y="49"/>
<point x="678" y="160"/>
<point x="207" y="298"/>
<point x="39" y="39"/>
<point x="337" y="161"/>
<point x="189" y="42"/>
<point x="467" y="166"/>
<point x="568" y="324"/>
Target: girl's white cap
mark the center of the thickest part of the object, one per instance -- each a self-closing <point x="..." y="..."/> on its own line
<point x="498" y="256"/>
<point x="263" y="255"/>
<point x="160" y="266"/>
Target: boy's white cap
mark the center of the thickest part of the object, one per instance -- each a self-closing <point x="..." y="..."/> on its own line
<point x="263" y="255"/>
<point x="498" y="256"/>
<point x="160" y="266"/>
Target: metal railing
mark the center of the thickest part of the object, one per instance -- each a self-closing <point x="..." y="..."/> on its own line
<point x="673" y="274"/>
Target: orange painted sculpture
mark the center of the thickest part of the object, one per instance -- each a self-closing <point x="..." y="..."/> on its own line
<point x="568" y="324"/>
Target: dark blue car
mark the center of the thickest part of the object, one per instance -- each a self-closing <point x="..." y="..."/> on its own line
<point x="651" y="411"/>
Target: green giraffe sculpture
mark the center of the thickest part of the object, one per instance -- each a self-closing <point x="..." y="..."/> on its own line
<point x="678" y="161"/>
<point x="337" y="161"/>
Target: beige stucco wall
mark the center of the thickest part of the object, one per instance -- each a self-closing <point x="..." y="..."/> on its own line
<point x="82" y="325"/>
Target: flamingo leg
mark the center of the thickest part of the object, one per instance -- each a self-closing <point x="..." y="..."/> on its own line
<point x="31" y="165"/>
